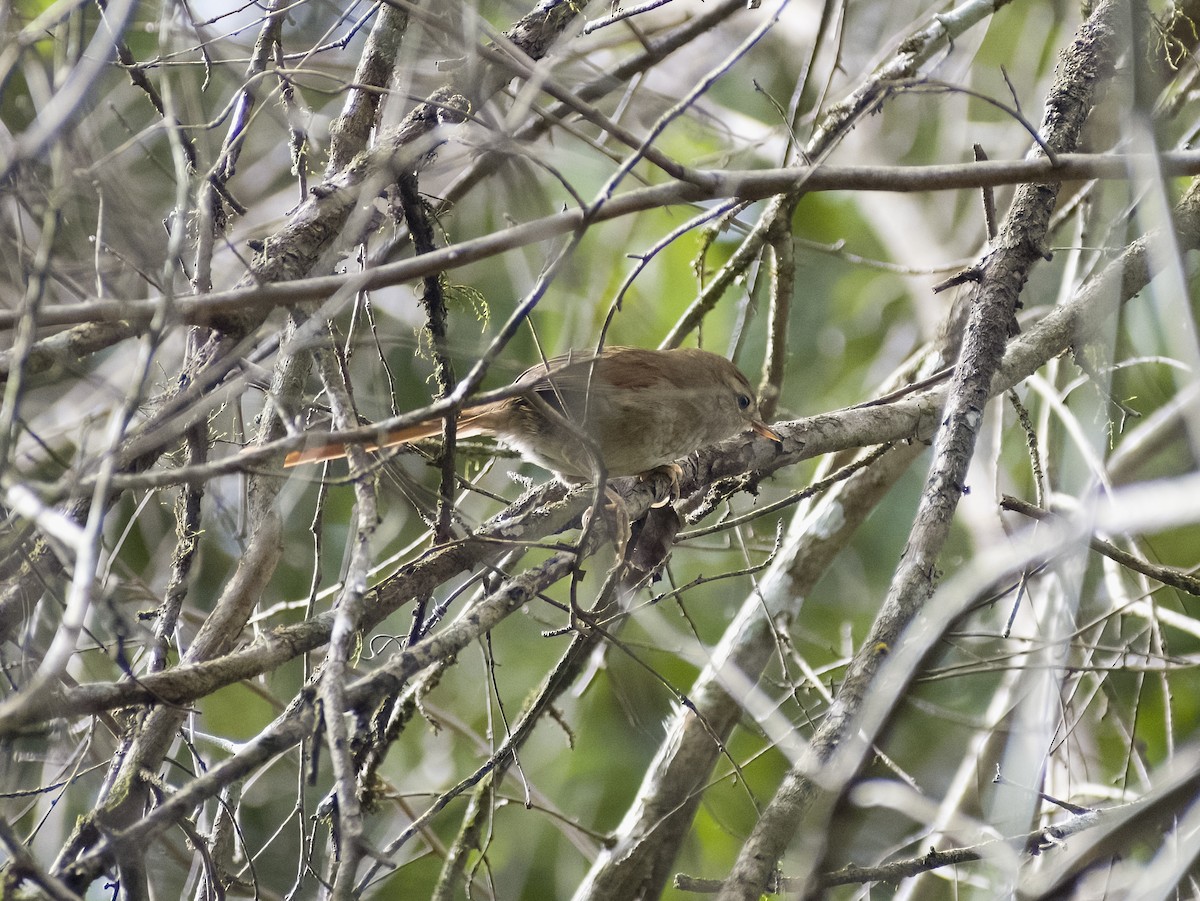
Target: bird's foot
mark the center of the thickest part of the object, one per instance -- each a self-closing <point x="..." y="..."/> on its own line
<point x="673" y="472"/>
<point x="614" y="506"/>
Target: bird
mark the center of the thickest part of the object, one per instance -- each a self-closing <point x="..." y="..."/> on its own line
<point x="628" y="409"/>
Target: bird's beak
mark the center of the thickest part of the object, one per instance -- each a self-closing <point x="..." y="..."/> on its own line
<point x="766" y="431"/>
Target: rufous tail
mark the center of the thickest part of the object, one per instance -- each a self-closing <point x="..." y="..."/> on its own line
<point x="334" y="451"/>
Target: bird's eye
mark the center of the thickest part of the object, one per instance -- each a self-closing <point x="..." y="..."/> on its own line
<point x="744" y="401"/>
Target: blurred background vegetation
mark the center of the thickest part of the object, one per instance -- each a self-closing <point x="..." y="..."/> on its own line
<point x="101" y="206"/>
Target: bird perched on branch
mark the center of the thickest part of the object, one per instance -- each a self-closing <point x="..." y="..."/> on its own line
<point x="626" y="409"/>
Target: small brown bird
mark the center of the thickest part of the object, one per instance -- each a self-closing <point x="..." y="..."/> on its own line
<point x="638" y="409"/>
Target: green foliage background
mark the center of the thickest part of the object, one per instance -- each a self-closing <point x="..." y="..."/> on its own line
<point x="865" y="267"/>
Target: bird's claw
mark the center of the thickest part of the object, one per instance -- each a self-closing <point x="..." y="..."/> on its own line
<point x="672" y="471"/>
<point x="615" y="505"/>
